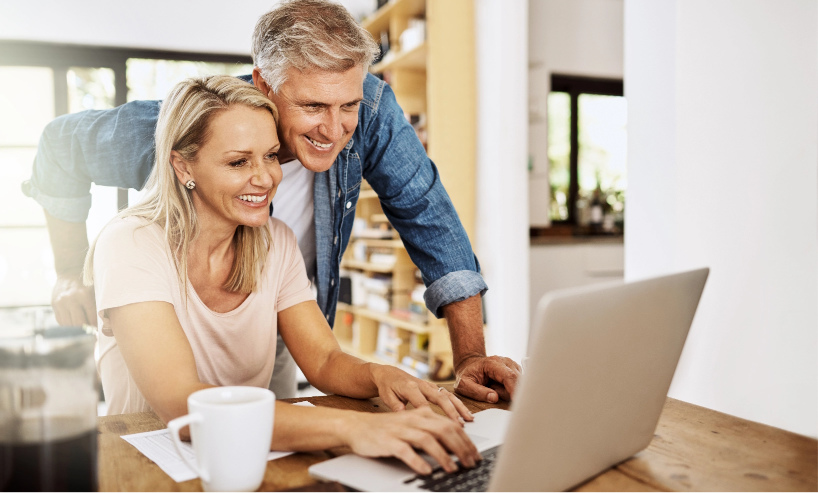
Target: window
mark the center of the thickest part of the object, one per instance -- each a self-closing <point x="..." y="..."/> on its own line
<point x="587" y="121"/>
<point x="40" y="81"/>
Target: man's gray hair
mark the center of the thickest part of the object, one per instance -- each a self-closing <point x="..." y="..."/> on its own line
<point x="309" y="34"/>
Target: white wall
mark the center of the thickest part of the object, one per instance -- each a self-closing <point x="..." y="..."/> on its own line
<point x="209" y="26"/>
<point x="723" y="166"/>
<point x="567" y="265"/>
<point x="574" y="37"/>
<point x="502" y="193"/>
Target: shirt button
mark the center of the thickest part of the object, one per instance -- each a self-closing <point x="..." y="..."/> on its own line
<point x="339" y="192"/>
<point x="349" y="204"/>
<point x="335" y="240"/>
<point x="332" y="282"/>
<point x="327" y="317"/>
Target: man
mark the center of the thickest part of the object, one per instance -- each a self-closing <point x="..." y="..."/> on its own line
<point x="337" y="125"/>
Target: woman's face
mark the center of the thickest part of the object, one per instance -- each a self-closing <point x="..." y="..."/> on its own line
<point x="237" y="169"/>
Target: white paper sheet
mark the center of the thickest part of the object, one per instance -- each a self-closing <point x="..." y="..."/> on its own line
<point x="158" y="447"/>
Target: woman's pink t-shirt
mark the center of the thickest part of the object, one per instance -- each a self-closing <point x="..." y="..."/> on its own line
<point x="133" y="263"/>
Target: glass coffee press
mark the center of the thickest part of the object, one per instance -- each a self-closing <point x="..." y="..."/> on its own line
<point x="48" y="408"/>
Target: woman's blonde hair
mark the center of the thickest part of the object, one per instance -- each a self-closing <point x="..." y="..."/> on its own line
<point x="183" y="126"/>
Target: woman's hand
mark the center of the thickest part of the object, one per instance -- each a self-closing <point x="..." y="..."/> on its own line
<point x="397" y="388"/>
<point x="402" y="435"/>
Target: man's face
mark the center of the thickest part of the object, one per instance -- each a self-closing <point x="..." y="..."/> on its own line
<point x="318" y="112"/>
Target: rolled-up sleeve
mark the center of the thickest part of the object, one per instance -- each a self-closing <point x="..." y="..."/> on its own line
<point x="105" y="147"/>
<point x="453" y="287"/>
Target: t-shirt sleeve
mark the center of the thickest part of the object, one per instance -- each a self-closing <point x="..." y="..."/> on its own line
<point x="294" y="286"/>
<point x="131" y="265"/>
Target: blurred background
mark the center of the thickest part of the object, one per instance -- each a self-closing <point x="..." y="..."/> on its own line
<point x="582" y="141"/>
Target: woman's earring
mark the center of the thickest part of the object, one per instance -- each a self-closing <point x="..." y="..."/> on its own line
<point x="190" y="184"/>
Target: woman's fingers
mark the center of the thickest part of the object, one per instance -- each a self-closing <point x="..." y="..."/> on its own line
<point x="393" y="401"/>
<point x="451" y="405"/>
<point x="411" y="392"/>
<point x="450" y="434"/>
<point x="427" y="442"/>
<point x="461" y="408"/>
<point x="404" y="435"/>
<point x="407" y="454"/>
<point x="420" y="394"/>
<point x="458" y="443"/>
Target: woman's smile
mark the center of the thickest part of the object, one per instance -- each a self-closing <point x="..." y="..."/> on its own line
<point x="254" y="200"/>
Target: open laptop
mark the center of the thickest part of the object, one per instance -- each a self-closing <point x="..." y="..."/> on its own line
<point x="601" y="360"/>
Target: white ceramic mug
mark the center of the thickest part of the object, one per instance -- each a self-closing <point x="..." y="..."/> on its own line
<point x="231" y="428"/>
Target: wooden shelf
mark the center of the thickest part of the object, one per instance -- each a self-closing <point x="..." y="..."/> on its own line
<point x="414" y="59"/>
<point x="400" y="323"/>
<point x="379" y="21"/>
<point x="394" y="321"/>
<point x="379" y="243"/>
<point x="370" y="358"/>
<point x="345" y="307"/>
<point x="367" y="266"/>
<point x="367" y="194"/>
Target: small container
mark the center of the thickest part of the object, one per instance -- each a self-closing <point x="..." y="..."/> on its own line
<point x="48" y="409"/>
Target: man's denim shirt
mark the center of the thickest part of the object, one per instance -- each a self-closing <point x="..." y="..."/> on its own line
<point x="116" y="148"/>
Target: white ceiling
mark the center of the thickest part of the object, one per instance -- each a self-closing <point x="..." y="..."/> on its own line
<point x="210" y="26"/>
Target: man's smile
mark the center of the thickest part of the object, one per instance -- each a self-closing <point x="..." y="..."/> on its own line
<point x="319" y="145"/>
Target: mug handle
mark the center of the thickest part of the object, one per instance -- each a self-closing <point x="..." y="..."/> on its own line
<point x="174" y="426"/>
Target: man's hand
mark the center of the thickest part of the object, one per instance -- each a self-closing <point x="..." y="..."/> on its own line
<point x="478" y="377"/>
<point x="487" y="378"/>
<point x="73" y="303"/>
<point x="397" y="388"/>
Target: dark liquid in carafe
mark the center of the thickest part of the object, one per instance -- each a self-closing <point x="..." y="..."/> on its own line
<point x="59" y="465"/>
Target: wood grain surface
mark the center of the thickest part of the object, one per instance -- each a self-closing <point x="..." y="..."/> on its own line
<point x="694" y="449"/>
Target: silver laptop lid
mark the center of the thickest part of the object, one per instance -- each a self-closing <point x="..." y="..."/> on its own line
<point x="601" y="362"/>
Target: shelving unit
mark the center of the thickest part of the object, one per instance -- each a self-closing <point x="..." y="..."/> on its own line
<point x="433" y="80"/>
<point x="414" y="59"/>
<point x="358" y="326"/>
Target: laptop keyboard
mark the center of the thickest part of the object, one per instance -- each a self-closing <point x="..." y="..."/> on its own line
<point x="474" y="479"/>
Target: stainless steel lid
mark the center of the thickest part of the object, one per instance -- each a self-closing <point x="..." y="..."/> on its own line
<point x="52" y="347"/>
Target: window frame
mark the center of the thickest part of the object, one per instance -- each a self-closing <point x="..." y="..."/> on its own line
<point x="575" y="86"/>
<point x="61" y="57"/>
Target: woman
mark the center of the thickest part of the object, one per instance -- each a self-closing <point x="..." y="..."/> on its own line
<point x="193" y="283"/>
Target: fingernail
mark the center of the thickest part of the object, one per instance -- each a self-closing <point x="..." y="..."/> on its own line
<point x="492" y="397"/>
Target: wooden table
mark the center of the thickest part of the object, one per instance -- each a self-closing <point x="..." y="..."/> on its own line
<point x="694" y="449"/>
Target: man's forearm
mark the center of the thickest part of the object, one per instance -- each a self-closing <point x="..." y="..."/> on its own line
<point x="465" y="320"/>
<point x="69" y="242"/>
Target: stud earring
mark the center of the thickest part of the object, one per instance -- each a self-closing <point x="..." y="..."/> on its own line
<point x="190" y="184"/>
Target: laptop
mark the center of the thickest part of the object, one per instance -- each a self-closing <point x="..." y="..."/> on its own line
<point x="601" y="360"/>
